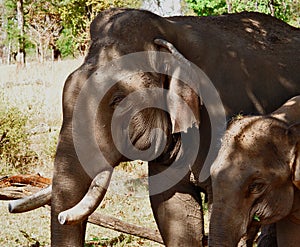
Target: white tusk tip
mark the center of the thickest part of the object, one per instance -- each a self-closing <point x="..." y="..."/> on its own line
<point x="62" y="218"/>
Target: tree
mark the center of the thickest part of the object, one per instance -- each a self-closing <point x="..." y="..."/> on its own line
<point x="44" y="27"/>
<point x="13" y="27"/>
<point x="76" y="16"/>
<point x="21" y="44"/>
<point x="208" y="7"/>
<point x="50" y="24"/>
<point x="286" y="10"/>
<point x="2" y="33"/>
<point x="163" y="8"/>
<point x="10" y="29"/>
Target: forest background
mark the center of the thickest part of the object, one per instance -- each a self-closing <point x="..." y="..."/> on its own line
<point x="52" y="29"/>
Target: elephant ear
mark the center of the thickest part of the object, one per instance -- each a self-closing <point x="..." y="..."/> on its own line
<point x="294" y="131"/>
<point x="182" y="101"/>
<point x="183" y="105"/>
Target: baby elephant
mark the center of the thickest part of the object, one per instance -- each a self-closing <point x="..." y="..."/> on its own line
<point x="256" y="177"/>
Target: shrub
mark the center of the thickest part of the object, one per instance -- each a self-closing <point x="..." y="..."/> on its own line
<point x="15" y="152"/>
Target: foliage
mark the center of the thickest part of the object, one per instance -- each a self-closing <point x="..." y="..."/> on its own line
<point x="121" y="240"/>
<point x="43" y="25"/>
<point x="64" y="25"/>
<point x="286" y="10"/>
<point x="15" y="151"/>
<point x="76" y="16"/>
<point x="207" y="7"/>
<point x="10" y="25"/>
<point x="52" y="24"/>
<point x="65" y="43"/>
<point x="34" y="92"/>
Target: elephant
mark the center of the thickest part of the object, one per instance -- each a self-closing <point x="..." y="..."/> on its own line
<point x="256" y="177"/>
<point x="253" y="62"/>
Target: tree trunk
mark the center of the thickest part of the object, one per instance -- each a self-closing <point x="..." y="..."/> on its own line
<point x="21" y="46"/>
<point x="271" y="6"/>
<point x="8" y="61"/>
<point x="229" y="6"/>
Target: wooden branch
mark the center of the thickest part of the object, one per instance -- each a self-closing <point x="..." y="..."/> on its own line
<point x="16" y="187"/>
<point x="121" y="226"/>
<point x="34" y="180"/>
<point x="12" y="193"/>
<point x="19" y="186"/>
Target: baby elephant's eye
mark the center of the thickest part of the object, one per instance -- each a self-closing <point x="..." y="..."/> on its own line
<point x="256" y="187"/>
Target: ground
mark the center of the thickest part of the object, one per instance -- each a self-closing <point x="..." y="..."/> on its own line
<point x="36" y="90"/>
<point x="130" y="203"/>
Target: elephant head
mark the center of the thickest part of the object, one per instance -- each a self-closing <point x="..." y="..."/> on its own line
<point x="255" y="177"/>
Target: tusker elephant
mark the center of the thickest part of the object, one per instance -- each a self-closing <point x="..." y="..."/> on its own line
<point x="256" y="177"/>
<point x="140" y="95"/>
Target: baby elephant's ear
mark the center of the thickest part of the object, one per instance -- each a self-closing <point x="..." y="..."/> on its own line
<point x="295" y="136"/>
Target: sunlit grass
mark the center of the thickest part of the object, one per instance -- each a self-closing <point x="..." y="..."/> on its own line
<point x="37" y="91"/>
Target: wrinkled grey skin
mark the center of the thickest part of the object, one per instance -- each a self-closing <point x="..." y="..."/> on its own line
<point x="253" y="61"/>
<point x="256" y="174"/>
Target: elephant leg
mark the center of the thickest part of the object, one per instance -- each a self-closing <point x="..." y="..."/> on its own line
<point x="267" y="237"/>
<point x="178" y="213"/>
<point x="69" y="184"/>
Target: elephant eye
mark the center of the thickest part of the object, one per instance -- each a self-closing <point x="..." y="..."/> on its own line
<point x="116" y="100"/>
<point x="256" y="187"/>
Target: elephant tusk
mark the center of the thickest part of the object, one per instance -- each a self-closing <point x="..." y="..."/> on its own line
<point x="32" y="202"/>
<point x="89" y="202"/>
<point x="172" y="49"/>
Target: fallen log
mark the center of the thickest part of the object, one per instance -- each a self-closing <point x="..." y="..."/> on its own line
<point x="19" y="186"/>
<point x="121" y="226"/>
<point x="17" y="192"/>
<point x="33" y="180"/>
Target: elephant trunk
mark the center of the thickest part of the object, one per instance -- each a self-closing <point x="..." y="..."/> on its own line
<point x="32" y="202"/>
<point x="225" y="229"/>
<point x="89" y="202"/>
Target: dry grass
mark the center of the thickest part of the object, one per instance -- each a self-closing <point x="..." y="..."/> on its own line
<point x="128" y="202"/>
<point x="37" y="90"/>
